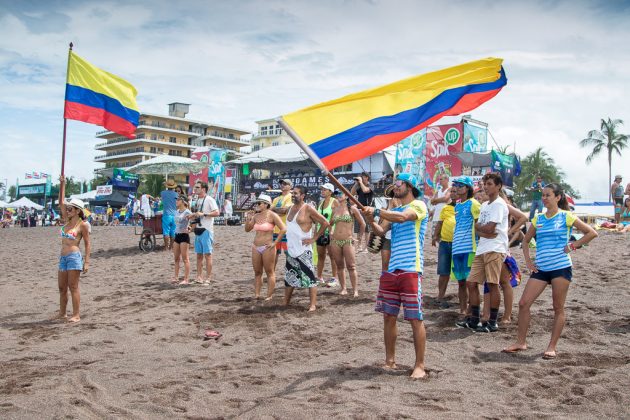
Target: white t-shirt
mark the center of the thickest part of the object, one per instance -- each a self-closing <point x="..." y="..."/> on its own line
<point x="437" y="209"/>
<point x="496" y="212"/>
<point x="207" y="205"/>
<point x="227" y="207"/>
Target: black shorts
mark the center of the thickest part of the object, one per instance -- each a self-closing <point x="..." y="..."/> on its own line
<point x="547" y="276"/>
<point x="618" y="201"/>
<point x="181" y="238"/>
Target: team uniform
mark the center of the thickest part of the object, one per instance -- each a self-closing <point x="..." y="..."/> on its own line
<point x="464" y="241"/>
<point x="402" y="282"/>
<point x="279" y="202"/>
<point x="445" y="248"/>
<point x="552" y="236"/>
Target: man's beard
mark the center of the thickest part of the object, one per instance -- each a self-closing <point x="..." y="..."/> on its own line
<point x="399" y="194"/>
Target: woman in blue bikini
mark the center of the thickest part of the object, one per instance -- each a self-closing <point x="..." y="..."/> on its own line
<point x="263" y="221"/>
<point x="71" y="262"/>
<point x="624" y="223"/>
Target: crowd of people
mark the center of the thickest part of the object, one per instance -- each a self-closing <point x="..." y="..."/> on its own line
<point x="473" y="228"/>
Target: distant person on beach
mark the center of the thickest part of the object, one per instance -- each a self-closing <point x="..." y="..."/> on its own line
<point x="280" y="205"/>
<point x="300" y="272"/>
<point x="624" y="223"/>
<point x="71" y="263"/>
<point x="263" y="221"/>
<point x="402" y="282"/>
<point x="227" y="207"/>
<point x="492" y="229"/>
<point x="206" y="210"/>
<point x="616" y="191"/>
<point x="342" y="242"/>
<point x="364" y="192"/>
<point x="464" y="242"/>
<point x="553" y="265"/>
<point x="443" y="234"/>
<point x="169" y="208"/>
<point x="181" y="241"/>
<point x="441" y="197"/>
<point x="325" y="208"/>
<point x="145" y="205"/>
<point x="536" y="190"/>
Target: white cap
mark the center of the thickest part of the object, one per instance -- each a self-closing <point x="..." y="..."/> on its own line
<point x="328" y="186"/>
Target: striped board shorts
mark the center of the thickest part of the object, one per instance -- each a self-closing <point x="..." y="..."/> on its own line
<point x="400" y="287"/>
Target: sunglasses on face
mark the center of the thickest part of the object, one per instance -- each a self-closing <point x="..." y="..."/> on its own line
<point x="69" y="208"/>
<point x="399" y="183"/>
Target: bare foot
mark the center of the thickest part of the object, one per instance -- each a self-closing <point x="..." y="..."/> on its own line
<point x="312" y="308"/>
<point x="356" y="294"/>
<point x="418" y="373"/>
<point x="58" y="315"/>
<point x="389" y="365"/>
<point x="549" y="354"/>
<point x="174" y="280"/>
<point x="505" y="321"/>
<point x="268" y="298"/>
<point x="199" y="280"/>
<point x="515" y="348"/>
<point x="183" y="282"/>
<point x="75" y="318"/>
<point x="257" y="297"/>
<point x="343" y="292"/>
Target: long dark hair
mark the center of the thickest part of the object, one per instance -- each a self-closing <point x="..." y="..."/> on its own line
<point x="559" y="192"/>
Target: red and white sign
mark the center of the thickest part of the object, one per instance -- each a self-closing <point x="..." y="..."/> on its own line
<point x="443" y="144"/>
<point x="104" y="190"/>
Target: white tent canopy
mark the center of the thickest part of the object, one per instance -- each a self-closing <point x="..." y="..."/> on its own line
<point x="86" y="196"/>
<point x="167" y="164"/>
<point x="25" y="202"/>
<point x="284" y="153"/>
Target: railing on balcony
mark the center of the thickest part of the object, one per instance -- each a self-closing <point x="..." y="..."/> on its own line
<point x="122" y="152"/>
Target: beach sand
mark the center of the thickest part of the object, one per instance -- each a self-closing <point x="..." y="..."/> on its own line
<point x="138" y="351"/>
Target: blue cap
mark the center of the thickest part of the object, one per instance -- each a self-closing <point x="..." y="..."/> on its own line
<point x="411" y="180"/>
<point x="466" y="180"/>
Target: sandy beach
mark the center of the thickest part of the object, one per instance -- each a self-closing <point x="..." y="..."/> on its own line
<point x="139" y="352"/>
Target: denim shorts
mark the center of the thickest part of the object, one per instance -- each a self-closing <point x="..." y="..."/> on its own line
<point x="444" y="258"/>
<point x="547" y="276"/>
<point x="168" y="226"/>
<point x="72" y="261"/>
<point x="204" y="242"/>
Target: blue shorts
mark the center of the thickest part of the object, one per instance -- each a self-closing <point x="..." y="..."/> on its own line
<point x="168" y="226"/>
<point x="203" y="242"/>
<point x="462" y="264"/>
<point x="566" y="272"/>
<point x="72" y="261"/>
<point x="445" y="250"/>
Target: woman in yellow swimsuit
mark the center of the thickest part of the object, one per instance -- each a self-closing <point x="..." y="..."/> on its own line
<point x="71" y="262"/>
<point x="341" y="241"/>
<point x="262" y="221"/>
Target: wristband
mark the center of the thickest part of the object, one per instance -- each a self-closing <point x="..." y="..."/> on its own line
<point x="377" y="212"/>
<point x="572" y="246"/>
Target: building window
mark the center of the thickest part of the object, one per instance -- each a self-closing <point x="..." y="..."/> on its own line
<point x="153" y="136"/>
<point x="153" y="150"/>
<point x="275" y="143"/>
<point x="172" y="126"/>
<point x="172" y="139"/>
<point x="160" y="150"/>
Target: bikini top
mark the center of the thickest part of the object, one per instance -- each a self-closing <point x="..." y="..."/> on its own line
<point x="343" y="218"/>
<point x="263" y="227"/>
<point x="72" y="234"/>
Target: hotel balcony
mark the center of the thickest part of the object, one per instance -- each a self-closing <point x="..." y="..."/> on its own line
<point x="153" y="127"/>
<point x="139" y="151"/>
<point x="123" y="142"/>
<point x="220" y="138"/>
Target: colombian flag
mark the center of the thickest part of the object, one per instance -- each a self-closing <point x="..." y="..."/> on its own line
<point x="98" y="97"/>
<point x="350" y="128"/>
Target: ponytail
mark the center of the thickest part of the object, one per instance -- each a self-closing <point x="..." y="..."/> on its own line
<point x="563" y="204"/>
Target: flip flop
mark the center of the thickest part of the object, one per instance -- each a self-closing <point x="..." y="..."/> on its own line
<point x="549" y="356"/>
<point x="212" y="334"/>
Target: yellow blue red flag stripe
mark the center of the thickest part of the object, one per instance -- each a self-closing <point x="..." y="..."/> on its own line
<point x="355" y="126"/>
<point x="98" y="97"/>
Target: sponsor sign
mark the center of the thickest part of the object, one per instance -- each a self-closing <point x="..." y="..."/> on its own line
<point x="410" y="156"/>
<point x="32" y="189"/>
<point x="475" y="138"/>
<point x="104" y="190"/>
<point x="124" y="179"/>
<point x="311" y="182"/>
<point x="443" y="142"/>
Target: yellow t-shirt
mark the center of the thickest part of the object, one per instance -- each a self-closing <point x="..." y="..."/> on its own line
<point x="447" y="216"/>
<point x="279" y="202"/>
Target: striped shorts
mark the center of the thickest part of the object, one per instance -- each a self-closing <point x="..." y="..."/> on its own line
<point x="400" y="287"/>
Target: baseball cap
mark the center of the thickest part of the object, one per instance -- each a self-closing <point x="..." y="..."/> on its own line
<point x="328" y="186"/>
<point x="465" y="180"/>
<point x="411" y="180"/>
<point x="286" y="181"/>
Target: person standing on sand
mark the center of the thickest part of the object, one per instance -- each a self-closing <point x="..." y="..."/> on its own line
<point x="616" y="192"/>
<point x="553" y="264"/>
<point x="70" y="262"/>
<point x="263" y="222"/>
<point x="402" y="282"/>
<point x="206" y="210"/>
<point x="169" y="205"/>
<point x="181" y="241"/>
<point x="280" y="205"/>
<point x="300" y="272"/>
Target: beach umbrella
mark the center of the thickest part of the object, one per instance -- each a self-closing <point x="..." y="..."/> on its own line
<point x="167" y="164"/>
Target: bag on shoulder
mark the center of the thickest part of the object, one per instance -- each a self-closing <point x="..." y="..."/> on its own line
<point x="199" y="231"/>
<point x="375" y="243"/>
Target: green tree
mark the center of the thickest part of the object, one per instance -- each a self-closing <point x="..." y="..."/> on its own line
<point x="151" y="184"/>
<point x="539" y="163"/>
<point x="609" y="139"/>
<point x="12" y="193"/>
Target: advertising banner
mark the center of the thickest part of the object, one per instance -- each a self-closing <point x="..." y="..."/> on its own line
<point x="475" y="138"/>
<point x="311" y="182"/>
<point x="201" y="175"/>
<point x="504" y="164"/>
<point x="213" y="174"/>
<point x="410" y="156"/>
<point x="124" y="179"/>
<point x="104" y="190"/>
<point x="442" y="145"/>
<point x="32" y="189"/>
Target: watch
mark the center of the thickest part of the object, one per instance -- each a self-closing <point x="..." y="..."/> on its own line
<point x="377" y="212"/>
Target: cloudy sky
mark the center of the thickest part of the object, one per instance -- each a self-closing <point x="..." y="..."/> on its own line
<point x="567" y="62"/>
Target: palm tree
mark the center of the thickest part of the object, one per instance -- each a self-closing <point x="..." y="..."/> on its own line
<point x="609" y="139"/>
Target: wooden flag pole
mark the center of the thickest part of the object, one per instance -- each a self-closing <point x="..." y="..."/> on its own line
<point x="62" y="186"/>
<point x="296" y="138"/>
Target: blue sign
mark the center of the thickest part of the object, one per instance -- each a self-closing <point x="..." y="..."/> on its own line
<point x="475" y="138"/>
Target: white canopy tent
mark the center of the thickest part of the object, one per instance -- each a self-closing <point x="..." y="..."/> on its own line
<point x="86" y="196"/>
<point x="3" y="204"/>
<point x="25" y="202"/>
<point x="284" y="153"/>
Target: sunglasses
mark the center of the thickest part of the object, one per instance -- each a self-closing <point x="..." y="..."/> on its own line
<point x="399" y="183"/>
<point x="457" y="184"/>
<point x="69" y="208"/>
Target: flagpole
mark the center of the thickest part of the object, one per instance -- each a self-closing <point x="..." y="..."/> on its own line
<point x="62" y="188"/>
<point x="296" y="138"/>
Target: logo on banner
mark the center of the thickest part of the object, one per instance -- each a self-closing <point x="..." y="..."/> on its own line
<point x="452" y="136"/>
<point x="104" y="190"/>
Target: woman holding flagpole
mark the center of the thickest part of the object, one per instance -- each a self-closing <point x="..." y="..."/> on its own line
<point x="71" y="262"/>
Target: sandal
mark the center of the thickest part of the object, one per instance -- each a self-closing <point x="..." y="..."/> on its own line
<point x="211" y="334"/>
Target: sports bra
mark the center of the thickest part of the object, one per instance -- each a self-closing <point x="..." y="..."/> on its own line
<point x="263" y="227"/>
<point x="72" y="234"/>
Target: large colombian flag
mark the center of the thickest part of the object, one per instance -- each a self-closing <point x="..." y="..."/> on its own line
<point x="98" y="97"/>
<point x="350" y="128"/>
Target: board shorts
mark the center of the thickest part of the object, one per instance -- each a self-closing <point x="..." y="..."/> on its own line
<point x="204" y="242"/>
<point x="282" y="245"/>
<point x="168" y="225"/>
<point x="72" y="261"/>
<point x="461" y="265"/>
<point x="400" y="287"/>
